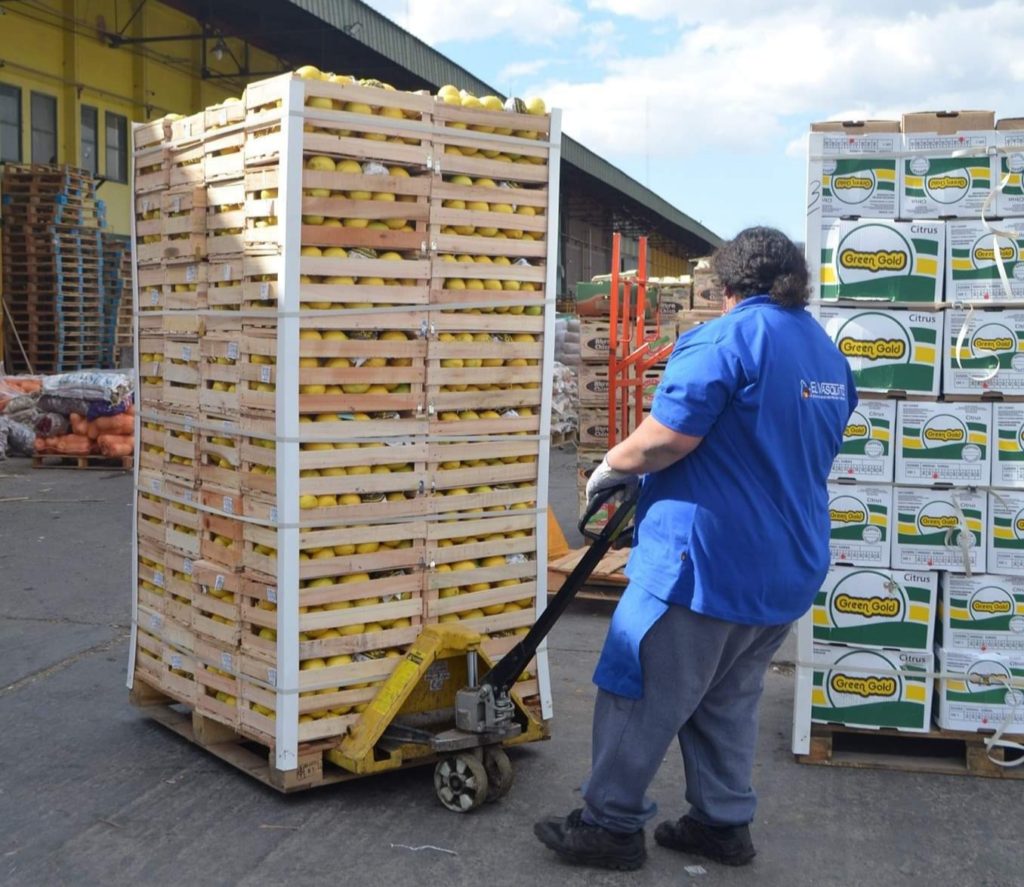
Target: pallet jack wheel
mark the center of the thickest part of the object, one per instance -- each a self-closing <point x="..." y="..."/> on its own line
<point x="460" y="782"/>
<point x="499" y="772"/>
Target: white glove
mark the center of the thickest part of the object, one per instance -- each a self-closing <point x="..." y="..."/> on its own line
<point x="605" y="477"/>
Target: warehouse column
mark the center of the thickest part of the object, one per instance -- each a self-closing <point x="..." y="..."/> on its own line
<point x="67" y="148"/>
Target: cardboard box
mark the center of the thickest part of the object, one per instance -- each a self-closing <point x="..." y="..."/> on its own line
<point x="595" y="338"/>
<point x="1006" y="532"/>
<point x="593" y="385"/>
<point x="991" y="359"/>
<point x="936" y="184"/>
<point x="1010" y="145"/>
<point x="872" y="688"/>
<point x="1008" y="445"/>
<point x="861" y="525"/>
<point x="866" y="607"/>
<point x="855" y="162"/>
<point x="708" y="292"/>
<point x="987" y="691"/>
<point x="940" y="443"/>
<point x="867" y="451"/>
<point x="688" y="320"/>
<point x="875" y="259"/>
<point x="972" y="268"/>
<point x="593" y="427"/>
<point x="929" y="529"/>
<point x="982" y="613"/>
<point x="888" y="350"/>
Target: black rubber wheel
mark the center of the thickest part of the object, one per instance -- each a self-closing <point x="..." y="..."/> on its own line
<point x="499" y="772"/>
<point x="460" y="782"/>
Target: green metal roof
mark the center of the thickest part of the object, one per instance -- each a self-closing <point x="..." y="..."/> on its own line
<point x="377" y="32"/>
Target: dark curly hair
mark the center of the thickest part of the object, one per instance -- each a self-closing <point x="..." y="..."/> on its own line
<point x="763" y="261"/>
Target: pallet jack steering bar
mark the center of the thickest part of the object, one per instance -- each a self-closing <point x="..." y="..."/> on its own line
<point x="487" y="708"/>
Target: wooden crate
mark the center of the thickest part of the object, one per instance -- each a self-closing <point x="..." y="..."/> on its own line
<point x="420" y="404"/>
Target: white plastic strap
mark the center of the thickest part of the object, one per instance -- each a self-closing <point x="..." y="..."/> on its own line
<point x="965" y="328"/>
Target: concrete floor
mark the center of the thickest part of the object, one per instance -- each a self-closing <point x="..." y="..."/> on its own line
<point x="92" y="793"/>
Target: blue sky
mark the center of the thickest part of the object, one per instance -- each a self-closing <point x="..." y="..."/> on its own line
<point x="708" y="104"/>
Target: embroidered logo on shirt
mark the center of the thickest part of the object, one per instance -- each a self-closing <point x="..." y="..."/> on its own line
<point x="822" y="390"/>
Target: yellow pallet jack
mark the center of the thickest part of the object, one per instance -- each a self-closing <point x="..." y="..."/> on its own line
<point x="435" y="704"/>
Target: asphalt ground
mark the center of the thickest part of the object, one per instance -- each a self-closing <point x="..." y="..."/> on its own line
<point x="93" y="793"/>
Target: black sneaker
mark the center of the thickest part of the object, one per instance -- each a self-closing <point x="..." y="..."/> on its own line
<point x="729" y="845"/>
<point x="581" y="844"/>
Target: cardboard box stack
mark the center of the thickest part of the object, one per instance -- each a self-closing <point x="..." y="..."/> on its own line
<point x="344" y="331"/>
<point x="925" y="600"/>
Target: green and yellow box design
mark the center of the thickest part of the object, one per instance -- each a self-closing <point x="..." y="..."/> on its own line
<point x="861" y="527"/>
<point x="867" y="449"/>
<point x="1008" y="445"/>
<point x="888" y="349"/>
<point x="939" y="530"/>
<point x="1010" y="145"/>
<point x="872" y="688"/>
<point x="981" y="690"/>
<point x="858" y="173"/>
<point x="982" y="613"/>
<point x="875" y="259"/>
<point x="944" y="443"/>
<point x="973" y="256"/>
<point x="937" y="184"/>
<point x="990" y="357"/>
<point x="1006" y="532"/>
<point x="870" y="607"/>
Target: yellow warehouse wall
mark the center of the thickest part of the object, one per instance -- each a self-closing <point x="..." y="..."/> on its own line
<point x="53" y="47"/>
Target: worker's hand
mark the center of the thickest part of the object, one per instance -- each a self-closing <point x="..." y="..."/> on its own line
<point x="606" y="477"/>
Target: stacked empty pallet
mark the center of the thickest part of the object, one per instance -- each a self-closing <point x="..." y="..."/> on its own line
<point x="53" y="268"/>
<point x="342" y="295"/>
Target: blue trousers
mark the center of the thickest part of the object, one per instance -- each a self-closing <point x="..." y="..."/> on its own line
<point x="702" y="684"/>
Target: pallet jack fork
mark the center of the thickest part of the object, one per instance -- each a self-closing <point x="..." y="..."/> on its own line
<point x="416" y="709"/>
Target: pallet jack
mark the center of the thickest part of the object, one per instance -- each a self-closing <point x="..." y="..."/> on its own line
<point x="435" y="703"/>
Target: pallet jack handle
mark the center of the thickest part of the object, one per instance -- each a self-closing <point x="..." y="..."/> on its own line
<point x="504" y="674"/>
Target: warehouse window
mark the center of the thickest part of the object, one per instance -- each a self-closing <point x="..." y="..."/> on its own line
<point x="10" y="123"/>
<point x="44" y="128"/>
<point x="117" y="147"/>
<point x="90" y="140"/>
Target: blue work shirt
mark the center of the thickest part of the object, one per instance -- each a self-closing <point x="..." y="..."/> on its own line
<point x="739" y="529"/>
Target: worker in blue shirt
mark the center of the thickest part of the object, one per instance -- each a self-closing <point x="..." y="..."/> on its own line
<point x="731" y="545"/>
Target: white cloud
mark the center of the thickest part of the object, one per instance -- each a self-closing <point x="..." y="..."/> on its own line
<point x="724" y="87"/>
<point x="516" y="70"/>
<point x="439" y="22"/>
<point x="648" y="10"/>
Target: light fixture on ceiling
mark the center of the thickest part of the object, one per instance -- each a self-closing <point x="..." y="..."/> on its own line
<point x="219" y="48"/>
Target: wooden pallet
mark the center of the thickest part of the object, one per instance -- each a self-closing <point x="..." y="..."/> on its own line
<point x="95" y="463"/>
<point x="605" y="583"/>
<point x="940" y="751"/>
<point x="313" y="771"/>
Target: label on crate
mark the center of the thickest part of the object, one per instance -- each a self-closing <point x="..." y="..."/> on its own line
<point x="860" y="521"/>
<point x="272" y="595"/>
<point x="232" y="351"/>
<point x="876" y="259"/>
<point x="272" y="677"/>
<point x="228" y="505"/>
<point x="226" y="662"/>
<point x="983" y="690"/>
<point x="155" y="621"/>
<point x="872" y="688"/>
<point x="176" y="660"/>
<point x="867" y="451"/>
<point x="855" y="185"/>
<point x="191" y="273"/>
<point x="187" y="567"/>
<point x="1008" y="449"/>
<point x="972" y="261"/>
<point x="982" y="613"/>
<point x="939" y="529"/>
<point x="990" y="356"/>
<point x="1006" y="532"/>
<point x="155" y="485"/>
<point x="936" y="183"/>
<point x="158" y="579"/>
<point x="867" y="607"/>
<point x="186" y="352"/>
<point x="887" y="349"/>
<point x="264" y="290"/>
<point x="944" y="443"/>
<point x="226" y="272"/>
<point x="154" y="297"/>
<point x="273" y="514"/>
<point x="218" y="583"/>
<point x="264" y="373"/>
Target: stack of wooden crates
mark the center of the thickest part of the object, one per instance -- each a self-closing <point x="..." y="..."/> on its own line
<point x="344" y="314"/>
